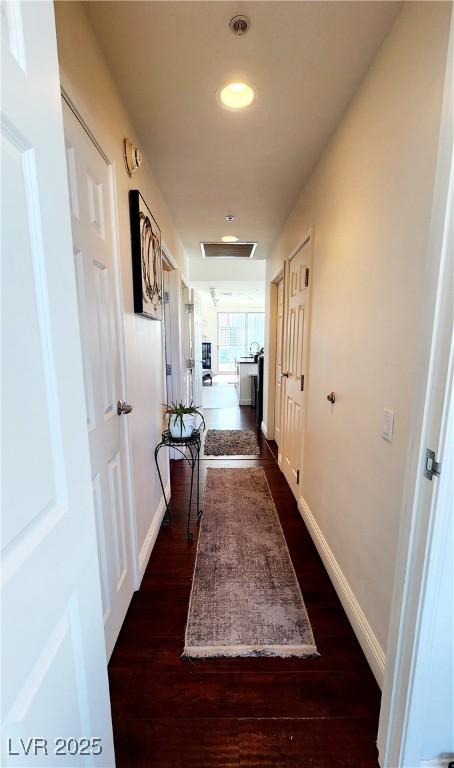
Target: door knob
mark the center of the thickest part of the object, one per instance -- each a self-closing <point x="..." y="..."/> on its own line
<point x="123" y="407"/>
<point x="331" y="397"/>
<point x="284" y="375"/>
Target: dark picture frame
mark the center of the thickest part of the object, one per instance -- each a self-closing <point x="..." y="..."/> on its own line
<point x="146" y="258"/>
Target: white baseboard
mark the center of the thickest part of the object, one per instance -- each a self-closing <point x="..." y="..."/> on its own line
<point x="245" y="401"/>
<point x="150" y="538"/>
<point x="264" y="429"/>
<point x="369" y="643"/>
<point x="438" y="762"/>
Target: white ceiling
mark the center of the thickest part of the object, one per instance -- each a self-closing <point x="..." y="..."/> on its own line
<point x="250" y="294"/>
<point x="305" y="60"/>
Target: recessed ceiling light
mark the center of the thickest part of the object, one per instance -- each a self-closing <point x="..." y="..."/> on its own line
<point x="229" y="239"/>
<point x="237" y="95"/>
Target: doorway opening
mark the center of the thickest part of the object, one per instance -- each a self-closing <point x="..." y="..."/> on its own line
<point x="233" y="336"/>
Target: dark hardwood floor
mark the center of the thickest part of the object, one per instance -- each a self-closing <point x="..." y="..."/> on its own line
<point x="259" y="712"/>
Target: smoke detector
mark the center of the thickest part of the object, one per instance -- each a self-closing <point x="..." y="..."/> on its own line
<point x="239" y="25"/>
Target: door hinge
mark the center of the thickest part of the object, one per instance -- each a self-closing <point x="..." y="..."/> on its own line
<point x="306" y="279"/>
<point x="165" y="297"/>
<point x="297" y="477"/>
<point x="168" y="369"/>
<point x="431" y="467"/>
<point x="302" y="382"/>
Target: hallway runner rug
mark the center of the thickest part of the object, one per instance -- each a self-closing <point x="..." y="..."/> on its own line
<point x="245" y="598"/>
<point x="231" y="442"/>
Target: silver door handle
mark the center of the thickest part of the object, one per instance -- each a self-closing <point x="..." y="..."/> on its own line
<point x="284" y="375"/>
<point x="123" y="407"/>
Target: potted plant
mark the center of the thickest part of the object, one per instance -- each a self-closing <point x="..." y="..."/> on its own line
<point x="181" y="418"/>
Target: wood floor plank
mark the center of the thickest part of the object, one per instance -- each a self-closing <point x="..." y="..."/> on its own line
<point x="253" y="713"/>
<point x="296" y="694"/>
<point x="249" y="743"/>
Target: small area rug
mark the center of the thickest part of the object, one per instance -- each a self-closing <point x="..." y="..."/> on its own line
<point x="231" y="442"/>
<point x="245" y="597"/>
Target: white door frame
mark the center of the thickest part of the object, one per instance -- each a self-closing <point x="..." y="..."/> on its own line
<point x="84" y="118"/>
<point x="197" y="335"/>
<point x="418" y="557"/>
<point x="169" y="355"/>
<point x="172" y="355"/>
<point x="279" y="283"/>
<point x="175" y="278"/>
<point x="268" y="428"/>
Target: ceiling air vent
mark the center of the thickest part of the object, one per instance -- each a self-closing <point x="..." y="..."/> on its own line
<point x="228" y="250"/>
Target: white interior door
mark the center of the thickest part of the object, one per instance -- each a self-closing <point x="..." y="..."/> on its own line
<point x="278" y="367"/>
<point x="167" y="334"/>
<point x="173" y="314"/>
<point x="92" y="217"/>
<point x="296" y="357"/>
<point x="54" y="678"/>
<point x="186" y="344"/>
<point x="197" y="336"/>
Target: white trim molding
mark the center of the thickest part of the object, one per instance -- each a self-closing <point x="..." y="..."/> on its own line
<point x="373" y="651"/>
<point x="264" y="429"/>
<point x="439" y="762"/>
<point x="151" y="535"/>
<point x="167" y="254"/>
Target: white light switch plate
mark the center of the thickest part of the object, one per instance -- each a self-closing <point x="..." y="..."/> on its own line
<point x="388" y="425"/>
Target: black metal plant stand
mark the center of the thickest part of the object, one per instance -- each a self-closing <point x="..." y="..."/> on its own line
<point x="193" y="444"/>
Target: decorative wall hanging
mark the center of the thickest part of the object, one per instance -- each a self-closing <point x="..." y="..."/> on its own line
<point x="146" y="258"/>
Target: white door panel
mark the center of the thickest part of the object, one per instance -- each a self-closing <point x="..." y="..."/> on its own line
<point x="197" y="336"/>
<point x="187" y="344"/>
<point x="295" y="355"/>
<point x="278" y="371"/>
<point x="54" y="678"/>
<point x="92" y="217"/>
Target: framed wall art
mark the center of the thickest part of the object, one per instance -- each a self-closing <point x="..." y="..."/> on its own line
<point x="146" y="258"/>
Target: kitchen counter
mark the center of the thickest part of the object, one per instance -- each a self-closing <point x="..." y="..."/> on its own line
<point x="245" y="368"/>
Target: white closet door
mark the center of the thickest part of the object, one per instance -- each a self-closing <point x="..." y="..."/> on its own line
<point x="295" y="355"/>
<point x="197" y="336"/>
<point x="278" y="368"/>
<point x="92" y="217"/>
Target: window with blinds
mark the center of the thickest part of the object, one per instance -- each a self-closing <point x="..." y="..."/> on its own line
<point x="236" y="332"/>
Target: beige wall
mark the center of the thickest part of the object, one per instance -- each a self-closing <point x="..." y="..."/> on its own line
<point x="369" y="204"/>
<point x="215" y="271"/>
<point x="90" y="85"/>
